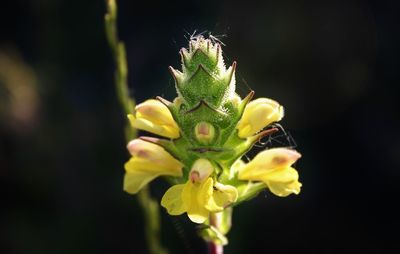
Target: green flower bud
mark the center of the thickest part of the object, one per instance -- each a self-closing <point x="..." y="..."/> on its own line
<point x="204" y="132"/>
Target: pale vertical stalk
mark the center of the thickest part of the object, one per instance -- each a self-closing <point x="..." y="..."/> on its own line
<point x="149" y="206"/>
<point x="213" y="246"/>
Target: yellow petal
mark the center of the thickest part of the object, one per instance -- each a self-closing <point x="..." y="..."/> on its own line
<point x="156" y="112"/>
<point x="154" y="117"/>
<point x="140" y="172"/>
<point x="155" y="154"/>
<point x="257" y="115"/>
<point x="196" y="211"/>
<point x="282" y="175"/>
<point x="146" y="125"/>
<point x="136" y="180"/>
<point x="205" y="192"/>
<point x="266" y="161"/>
<point x="140" y="164"/>
<point x="283" y="182"/>
<point x="171" y="131"/>
<point x="172" y="200"/>
<point x="284" y="190"/>
<point x="223" y="195"/>
<point x="143" y="148"/>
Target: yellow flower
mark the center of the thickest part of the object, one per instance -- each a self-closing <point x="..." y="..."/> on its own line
<point x="257" y="115"/>
<point x="154" y="117"/>
<point x="273" y="167"/>
<point x="200" y="195"/>
<point x="148" y="162"/>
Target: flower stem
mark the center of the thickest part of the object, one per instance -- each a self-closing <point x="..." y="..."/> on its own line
<point x="149" y="206"/>
<point x="251" y="191"/>
<point x="151" y="215"/>
<point x="213" y="246"/>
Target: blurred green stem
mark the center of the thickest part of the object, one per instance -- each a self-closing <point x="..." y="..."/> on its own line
<point x="149" y="206"/>
<point x="251" y="191"/>
<point x="213" y="246"/>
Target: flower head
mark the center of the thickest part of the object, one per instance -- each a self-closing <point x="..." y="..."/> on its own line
<point x="273" y="167"/>
<point x="148" y="162"/>
<point x="200" y="195"/>
<point x="209" y="129"/>
<point x="154" y="117"/>
<point x="257" y="115"/>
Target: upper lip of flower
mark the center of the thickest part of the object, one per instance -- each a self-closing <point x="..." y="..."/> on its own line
<point x="257" y="115"/>
<point x="273" y="167"/>
<point x="148" y="161"/>
<point x="154" y="116"/>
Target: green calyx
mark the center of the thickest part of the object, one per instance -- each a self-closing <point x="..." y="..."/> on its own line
<point x="204" y="76"/>
<point x="207" y="109"/>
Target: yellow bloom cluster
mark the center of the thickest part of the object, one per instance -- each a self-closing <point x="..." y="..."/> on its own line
<point x="202" y="193"/>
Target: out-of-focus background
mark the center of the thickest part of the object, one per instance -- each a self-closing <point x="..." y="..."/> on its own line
<point x="334" y="65"/>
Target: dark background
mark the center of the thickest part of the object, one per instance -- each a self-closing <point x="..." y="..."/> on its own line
<point x="332" y="64"/>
